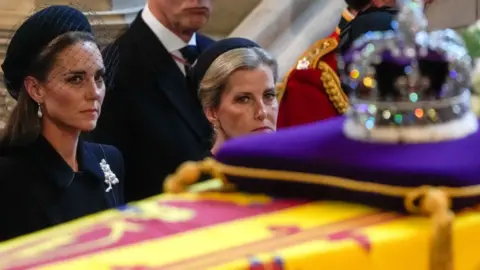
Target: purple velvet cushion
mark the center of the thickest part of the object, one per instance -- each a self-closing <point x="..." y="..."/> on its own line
<point x="321" y="148"/>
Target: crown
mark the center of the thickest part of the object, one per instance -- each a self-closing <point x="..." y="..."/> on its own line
<point x="409" y="85"/>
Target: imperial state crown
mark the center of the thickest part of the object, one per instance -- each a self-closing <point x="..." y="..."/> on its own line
<point x="409" y="85"/>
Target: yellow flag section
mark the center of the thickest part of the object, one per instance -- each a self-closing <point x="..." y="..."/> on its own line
<point x="237" y="231"/>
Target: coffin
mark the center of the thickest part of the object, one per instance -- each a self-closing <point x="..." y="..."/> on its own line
<point x="240" y="231"/>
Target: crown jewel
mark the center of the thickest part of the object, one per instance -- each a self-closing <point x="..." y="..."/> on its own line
<point x="408" y="84"/>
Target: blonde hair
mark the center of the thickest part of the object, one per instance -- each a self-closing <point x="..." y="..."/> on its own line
<point x="213" y="83"/>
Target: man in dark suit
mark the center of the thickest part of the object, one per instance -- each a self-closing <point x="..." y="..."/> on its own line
<point x="149" y="111"/>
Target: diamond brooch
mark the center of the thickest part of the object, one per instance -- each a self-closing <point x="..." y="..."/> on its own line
<point x="110" y="177"/>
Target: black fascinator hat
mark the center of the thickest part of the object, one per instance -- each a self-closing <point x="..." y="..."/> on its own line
<point x="33" y="36"/>
<point x="208" y="56"/>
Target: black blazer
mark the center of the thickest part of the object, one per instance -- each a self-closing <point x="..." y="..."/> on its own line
<point x="39" y="190"/>
<point x="149" y="112"/>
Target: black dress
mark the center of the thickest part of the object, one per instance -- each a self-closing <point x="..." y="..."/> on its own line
<point x="38" y="189"/>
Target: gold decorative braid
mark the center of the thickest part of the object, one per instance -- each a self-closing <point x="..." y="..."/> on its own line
<point x="432" y="201"/>
<point x="312" y="55"/>
<point x="333" y="87"/>
<point x="347" y="15"/>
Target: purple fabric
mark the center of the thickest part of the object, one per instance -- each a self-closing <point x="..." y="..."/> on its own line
<point x="321" y="148"/>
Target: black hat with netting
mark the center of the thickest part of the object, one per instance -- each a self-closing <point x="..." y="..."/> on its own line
<point x="33" y="36"/>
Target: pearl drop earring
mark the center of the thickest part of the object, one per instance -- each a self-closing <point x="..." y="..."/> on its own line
<point x="39" y="112"/>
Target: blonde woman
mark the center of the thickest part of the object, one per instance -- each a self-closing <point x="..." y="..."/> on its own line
<point x="235" y="79"/>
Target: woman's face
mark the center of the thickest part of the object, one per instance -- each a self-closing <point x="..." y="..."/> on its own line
<point x="248" y="104"/>
<point x="73" y="93"/>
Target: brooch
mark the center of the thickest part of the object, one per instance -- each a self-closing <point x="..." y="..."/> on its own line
<point x="110" y="177"/>
<point x="303" y="63"/>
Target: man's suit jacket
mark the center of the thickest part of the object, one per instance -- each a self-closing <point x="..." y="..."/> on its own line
<point x="149" y="111"/>
<point x="39" y="190"/>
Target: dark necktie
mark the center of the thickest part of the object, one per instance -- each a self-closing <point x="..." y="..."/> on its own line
<point x="190" y="53"/>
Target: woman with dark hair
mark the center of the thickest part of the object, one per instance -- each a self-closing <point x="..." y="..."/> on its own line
<point x="54" y="69"/>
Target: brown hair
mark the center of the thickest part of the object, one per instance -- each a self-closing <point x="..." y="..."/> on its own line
<point x="213" y="83"/>
<point x="24" y="125"/>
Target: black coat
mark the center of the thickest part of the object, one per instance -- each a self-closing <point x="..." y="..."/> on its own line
<point x="38" y="189"/>
<point x="149" y="112"/>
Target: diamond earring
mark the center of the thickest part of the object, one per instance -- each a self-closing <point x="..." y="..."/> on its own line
<point x="39" y="112"/>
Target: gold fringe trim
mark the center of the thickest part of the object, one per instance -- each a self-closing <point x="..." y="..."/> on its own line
<point x="333" y="88"/>
<point x="427" y="200"/>
<point x="312" y="55"/>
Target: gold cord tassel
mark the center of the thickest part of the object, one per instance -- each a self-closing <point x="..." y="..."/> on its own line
<point x="189" y="173"/>
<point x="436" y="203"/>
